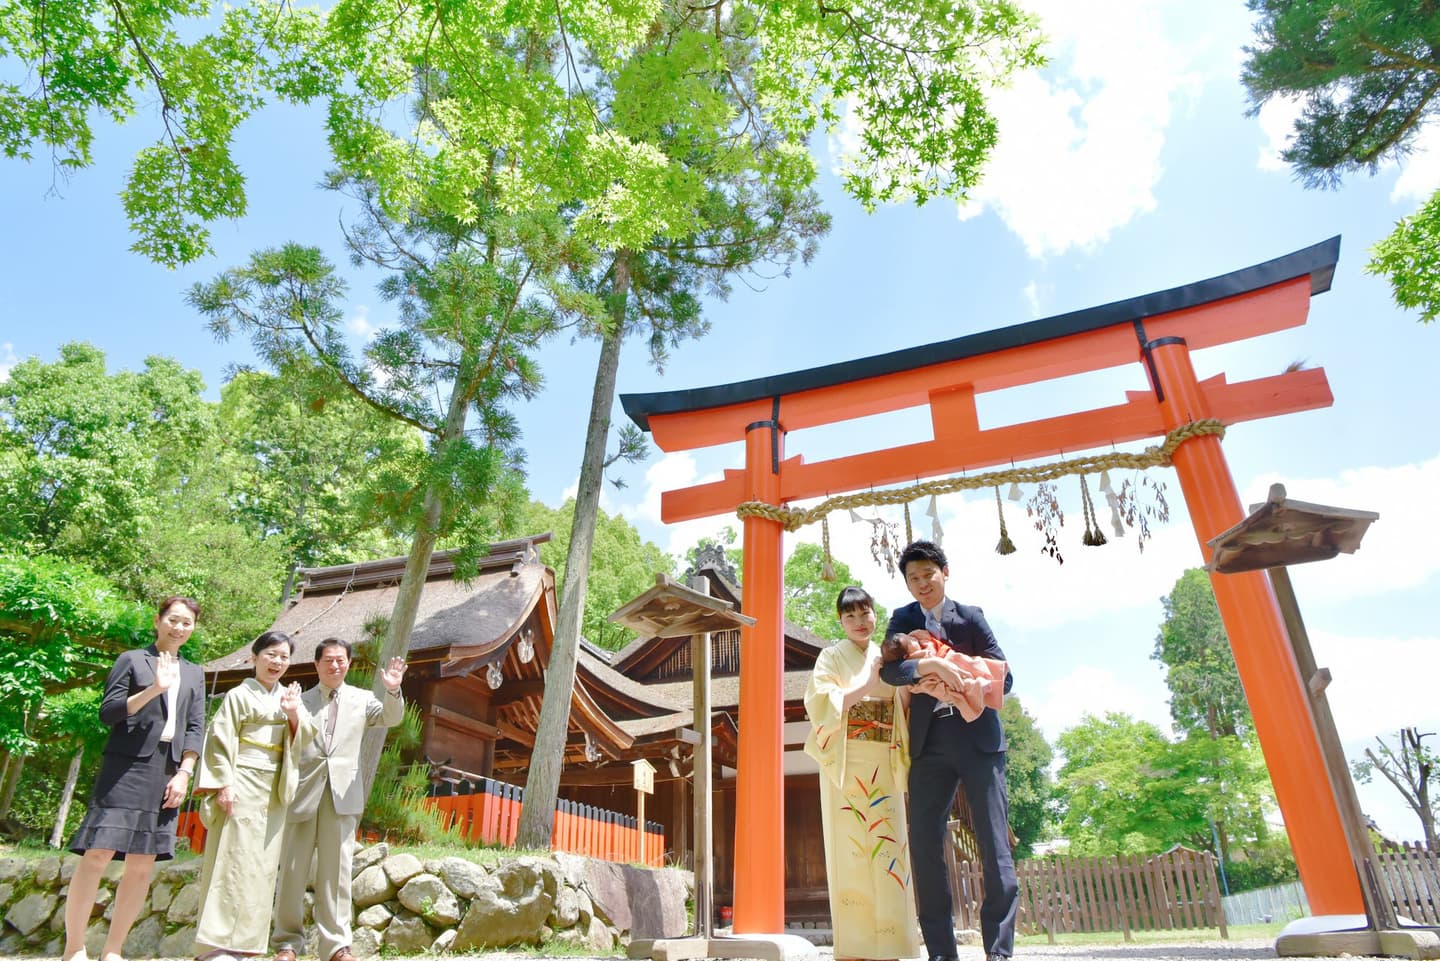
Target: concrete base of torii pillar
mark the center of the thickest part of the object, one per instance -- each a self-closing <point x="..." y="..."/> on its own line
<point x="1349" y="935"/>
<point x="765" y="947"/>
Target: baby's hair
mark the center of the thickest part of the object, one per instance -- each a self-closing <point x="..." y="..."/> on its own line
<point x="894" y="648"/>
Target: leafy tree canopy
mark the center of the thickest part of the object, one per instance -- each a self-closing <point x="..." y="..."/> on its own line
<point x="1027" y="777"/>
<point x="1205" y="691"/>
<point x="912" y="72"/>
<point x="1367" y="73"/>
<point x="810" y="599"/>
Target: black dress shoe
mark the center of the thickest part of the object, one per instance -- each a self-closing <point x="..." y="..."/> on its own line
<point x="997" y="957"/>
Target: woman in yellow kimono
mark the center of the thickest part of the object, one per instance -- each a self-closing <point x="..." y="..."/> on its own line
<point x="859" y="736"/>
<point x="248" y="778"/>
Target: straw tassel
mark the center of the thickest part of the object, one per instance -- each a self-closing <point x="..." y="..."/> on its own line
<point x="1006" y="545"/>
<point x="1093" y="537"/>
<point x="827" y="569"/>
<point x="909" y="535"/>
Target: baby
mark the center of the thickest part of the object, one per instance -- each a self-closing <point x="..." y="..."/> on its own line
<point x="982" y="684"/>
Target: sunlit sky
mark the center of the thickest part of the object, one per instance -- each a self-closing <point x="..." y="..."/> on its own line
<point x="1128" y="166"/>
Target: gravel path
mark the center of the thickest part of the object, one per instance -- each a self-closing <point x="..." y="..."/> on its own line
<point x="1234" y="950"/>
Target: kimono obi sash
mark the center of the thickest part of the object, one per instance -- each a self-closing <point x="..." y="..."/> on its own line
<point x="262" y="744"/>
<point x="870" y="720"/>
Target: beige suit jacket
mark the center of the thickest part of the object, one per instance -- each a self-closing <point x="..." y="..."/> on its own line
<point x="337" y="768"/>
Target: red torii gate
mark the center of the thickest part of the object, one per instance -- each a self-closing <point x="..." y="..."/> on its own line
<point x="1158" y="331"/>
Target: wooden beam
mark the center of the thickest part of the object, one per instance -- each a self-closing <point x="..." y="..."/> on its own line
<point x="517" y="690"/>
<point x="1136" y="419"/>
<point x="516" y="734"/>
<point x="463" y="722"/>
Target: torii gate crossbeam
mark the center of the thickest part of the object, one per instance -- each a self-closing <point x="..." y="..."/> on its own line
<point x="1157" y="330"/>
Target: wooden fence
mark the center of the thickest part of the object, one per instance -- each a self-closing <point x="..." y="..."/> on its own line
<point x="1174" y="890"/>
<point x="1410" y="874"/>
<point x="490" y="815"/>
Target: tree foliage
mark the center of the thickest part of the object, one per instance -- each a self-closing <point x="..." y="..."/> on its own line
<point x="1028" y="778"/>
<point x="1127" y="789"/>
<point x="1367" y="73"/>
<point x="1205" y="691"/>
<point x="810" y="599"/>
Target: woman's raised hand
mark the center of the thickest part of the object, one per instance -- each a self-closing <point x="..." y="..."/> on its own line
<point x="167" y="671"/>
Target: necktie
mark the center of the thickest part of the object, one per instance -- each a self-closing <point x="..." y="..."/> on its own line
<point x="934" y="627"/>
<point x="331" y="713"/>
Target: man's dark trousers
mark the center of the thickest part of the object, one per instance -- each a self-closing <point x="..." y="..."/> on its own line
<point x="950" y="761"/>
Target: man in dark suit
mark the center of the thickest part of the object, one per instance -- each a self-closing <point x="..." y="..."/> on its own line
<point x="947" y="752"/>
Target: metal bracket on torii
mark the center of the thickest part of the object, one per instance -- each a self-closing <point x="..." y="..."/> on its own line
<point x="1159" y="331"/>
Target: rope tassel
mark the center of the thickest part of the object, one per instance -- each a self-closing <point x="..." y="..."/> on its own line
<point x="827" y="569"/>
<point x="1006" y="545"/>
<point x="1093" y="537"/>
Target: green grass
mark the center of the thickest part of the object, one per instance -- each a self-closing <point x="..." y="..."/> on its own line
<point x="1237" y="932"/>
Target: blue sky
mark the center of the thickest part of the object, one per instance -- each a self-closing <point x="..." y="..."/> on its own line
<point x="1127" y="166"/>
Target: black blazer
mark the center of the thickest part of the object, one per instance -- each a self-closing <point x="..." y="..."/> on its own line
<point x="966" y="632"/>
<point x="138" y="734"/>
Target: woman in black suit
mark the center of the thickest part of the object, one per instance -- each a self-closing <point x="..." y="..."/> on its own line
<point x="154" y="704"/>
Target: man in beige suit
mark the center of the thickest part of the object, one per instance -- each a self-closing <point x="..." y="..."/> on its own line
<point x="328" y="802"/>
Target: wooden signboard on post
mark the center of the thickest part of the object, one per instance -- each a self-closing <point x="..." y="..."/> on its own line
<point x="644" y="784"/>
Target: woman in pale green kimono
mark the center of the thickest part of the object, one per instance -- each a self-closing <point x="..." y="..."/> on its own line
<point x="860" y="738"/>
<point x="248" y="778"/>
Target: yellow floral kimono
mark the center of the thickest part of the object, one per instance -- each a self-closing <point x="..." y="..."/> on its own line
<point x="247" y="747"/>
<point x="864" y="758"/>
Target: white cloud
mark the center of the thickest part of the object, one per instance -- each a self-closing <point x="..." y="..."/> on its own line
<point x="672" y="472"/>
<point x="1420" y="171"/>
<point x="1066" y="700"/>
<point x="1031" y="294"/>
<point x="1277" y="121"/>
<point x="7" y="360"/>
<point x="1080" y="143"/>
<point x="359" y="323"/>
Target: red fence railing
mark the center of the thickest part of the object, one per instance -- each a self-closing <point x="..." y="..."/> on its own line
<point x="490" y="815"/>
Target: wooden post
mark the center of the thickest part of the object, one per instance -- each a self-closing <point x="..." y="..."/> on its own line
<point x="703" y="796"/>
<point x="644" y="780"/>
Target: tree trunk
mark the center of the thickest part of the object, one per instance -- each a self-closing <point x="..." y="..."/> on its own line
<point x="417" y="569"/>
<point x="542" y="784"/>
<point x="67" y="794"/>
<point x="10" y="783"/>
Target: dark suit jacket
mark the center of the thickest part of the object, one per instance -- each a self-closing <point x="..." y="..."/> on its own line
<point x="966" y="632"/>
<point x="138" y="734"/>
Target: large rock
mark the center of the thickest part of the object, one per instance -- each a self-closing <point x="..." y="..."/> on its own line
<point x="408" y="934"/>
<point x="400" y="868"/>
<point x="371" y="886"/>
<point x="465" y="878"/>
<point x="375" y="916"/>
<point x="95" y="938"/>
<point x="511" y="912"/>
<point x="30" y="912"/>
<point x="566" y="912"/>
<point x="160" y="896"/>
<point x="47" y="873"/>
<point x="427" y="896"/>
<point x="646" y="903"/>
<point x="368" y="857"/>
<point x="12" y="869"/>
<point x="364" y="943"/>
<point x="185" y="905"/>
<point x="7" y="892"/>
<point x="444" y="942"/>
<point x="599" y="938"/>
<point x="178" y="944"/>
<point x="144" y="939"/>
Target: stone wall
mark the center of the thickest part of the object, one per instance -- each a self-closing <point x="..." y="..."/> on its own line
<point x="403" y="904"/>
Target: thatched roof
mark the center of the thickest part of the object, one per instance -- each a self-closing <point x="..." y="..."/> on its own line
<point x="454" y="618"/>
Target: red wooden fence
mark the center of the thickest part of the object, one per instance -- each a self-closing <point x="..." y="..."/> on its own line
<point x="491" y="816"/>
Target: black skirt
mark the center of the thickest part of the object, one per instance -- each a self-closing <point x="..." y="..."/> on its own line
<point x="126" y="813"/>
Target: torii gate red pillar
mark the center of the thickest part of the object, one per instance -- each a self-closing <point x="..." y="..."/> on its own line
<point x="1157" y="329"/>
<point x="760" y="776"/>
<point x="1281" y="711"/>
